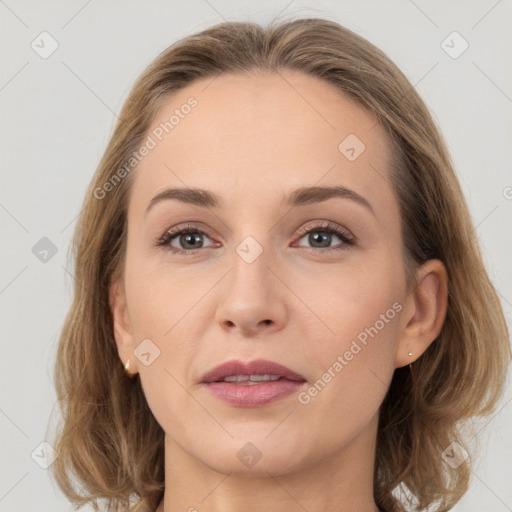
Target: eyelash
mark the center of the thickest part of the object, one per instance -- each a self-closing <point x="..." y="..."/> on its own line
<point x="325" y="227"/>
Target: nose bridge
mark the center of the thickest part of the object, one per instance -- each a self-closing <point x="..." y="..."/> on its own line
<point x="249" y="277"/>
<point x="252" y="239"/>
<point x="251" y="297"/>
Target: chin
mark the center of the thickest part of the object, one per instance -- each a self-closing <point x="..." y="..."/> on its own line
<point x="274" y="464"/>
<point x="257" y="455"/>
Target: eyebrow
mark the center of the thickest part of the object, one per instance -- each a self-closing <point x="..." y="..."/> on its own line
<point x="299" y="197"/>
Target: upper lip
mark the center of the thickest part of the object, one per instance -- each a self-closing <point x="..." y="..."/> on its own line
<point x="256" y="367"/>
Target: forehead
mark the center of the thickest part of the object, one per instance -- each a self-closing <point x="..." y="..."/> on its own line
<point x="247" y="137"/>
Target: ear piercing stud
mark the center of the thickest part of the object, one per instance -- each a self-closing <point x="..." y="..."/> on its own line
<point x="126" y="368"/>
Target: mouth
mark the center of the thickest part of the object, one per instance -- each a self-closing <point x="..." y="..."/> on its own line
<point x="253" y="384"/>
<point x="251" y="380"/>
<point x="251" y="373"/>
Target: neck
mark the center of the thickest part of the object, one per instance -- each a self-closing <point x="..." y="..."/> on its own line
<point x="341" y="481"/>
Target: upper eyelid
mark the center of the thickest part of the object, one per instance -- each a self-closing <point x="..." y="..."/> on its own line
<point x="328" y="226"/>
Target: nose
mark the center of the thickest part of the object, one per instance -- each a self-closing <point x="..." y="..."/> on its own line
<point x="252" y="298"/>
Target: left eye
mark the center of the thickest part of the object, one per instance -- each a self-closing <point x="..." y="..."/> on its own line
<point x="323" y="233"/>
<point x="317" y="237"/>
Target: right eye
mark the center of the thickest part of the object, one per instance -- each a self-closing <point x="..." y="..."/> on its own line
<point x="183" y="240"/>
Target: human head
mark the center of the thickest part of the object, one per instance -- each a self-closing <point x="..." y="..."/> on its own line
<point x="452" y="380"/>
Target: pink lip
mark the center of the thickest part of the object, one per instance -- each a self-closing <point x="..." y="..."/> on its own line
<point x="254" y="395"/>
<point x="256" y="367"/>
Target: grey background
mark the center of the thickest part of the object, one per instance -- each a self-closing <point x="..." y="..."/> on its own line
<point x="57" y="116"/>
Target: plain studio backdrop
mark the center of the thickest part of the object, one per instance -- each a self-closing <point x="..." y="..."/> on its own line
<point x="66" y="69"/>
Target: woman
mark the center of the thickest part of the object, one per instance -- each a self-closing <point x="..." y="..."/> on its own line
<point x="280" y="300"/>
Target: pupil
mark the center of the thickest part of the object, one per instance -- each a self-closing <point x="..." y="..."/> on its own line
<point x="191" y="238"/>
<point x="318" y="237"/>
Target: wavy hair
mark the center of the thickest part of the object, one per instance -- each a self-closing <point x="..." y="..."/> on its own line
<point x="110" y="446"/>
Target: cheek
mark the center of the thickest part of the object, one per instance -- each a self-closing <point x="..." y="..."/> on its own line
<point x="161" y="294"/>
<point x="352" y="373"/>
<point x="167" y="307"/>
<point x="345" y="300"/>
<point x="355" y="331"/>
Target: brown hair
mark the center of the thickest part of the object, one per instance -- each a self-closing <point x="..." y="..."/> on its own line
<point x="110" y="442"/>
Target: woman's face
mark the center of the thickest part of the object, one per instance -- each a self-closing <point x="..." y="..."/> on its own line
<point x="262" y="274"/>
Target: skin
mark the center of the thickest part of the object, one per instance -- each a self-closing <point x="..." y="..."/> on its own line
<point x="251" y="141"/>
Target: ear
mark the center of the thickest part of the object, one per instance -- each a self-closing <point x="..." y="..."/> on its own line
<point x="122" y="325"/>
<point x="424" y="312"/>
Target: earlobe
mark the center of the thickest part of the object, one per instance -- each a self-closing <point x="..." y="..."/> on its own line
<point x="424" y="313"/>
<point x="121" y="323"/>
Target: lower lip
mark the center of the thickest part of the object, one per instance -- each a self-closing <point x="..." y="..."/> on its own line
<point x="253" y="395"/>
